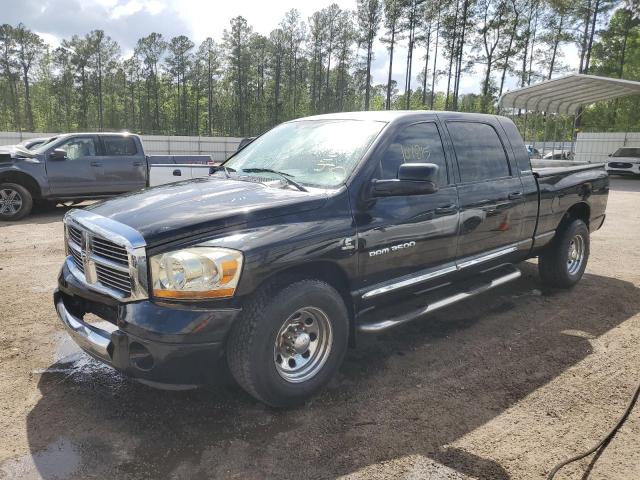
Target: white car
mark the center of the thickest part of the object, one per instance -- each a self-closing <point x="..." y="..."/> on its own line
<point x="624" y="161"/>
<point x="558" y="155"/>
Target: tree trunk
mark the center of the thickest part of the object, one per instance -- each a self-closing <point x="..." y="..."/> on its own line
<point x="367" y="91"/>
<point x="100" y="104"/>
<point x="426" y="68"/>
<point x="456" y="91"/>
<point x="453" y="43"/>
<point x="435" y="61"/>
<point x="556" y="42"/>
<point x="27" y="100"/>
<point x="393" y="39"/>
<point x="585" y="35"/>
<point x="593" y="29"/>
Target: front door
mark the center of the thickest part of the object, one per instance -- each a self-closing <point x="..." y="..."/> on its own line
<point x="490" y="192"/>
<point x="404" y="242"/>
<point x="74" y="175"/>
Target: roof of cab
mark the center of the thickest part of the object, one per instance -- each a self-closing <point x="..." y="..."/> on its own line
<point x="69" y="134"/>
<point x="388" y="115"/>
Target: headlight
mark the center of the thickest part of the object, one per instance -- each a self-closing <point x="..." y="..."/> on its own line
<point x="195" y="273"/>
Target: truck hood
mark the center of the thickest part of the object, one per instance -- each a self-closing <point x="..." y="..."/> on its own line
<point x="193" y="208"/>
<point x="11" y="153"/>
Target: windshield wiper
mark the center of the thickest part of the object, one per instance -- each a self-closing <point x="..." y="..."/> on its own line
<point x="224" y="169"/>
<point x="285" y="176"/>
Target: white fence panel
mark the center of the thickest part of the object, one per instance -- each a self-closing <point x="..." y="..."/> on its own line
<point x="220" y="148"/>
<point x="595" y="147"/>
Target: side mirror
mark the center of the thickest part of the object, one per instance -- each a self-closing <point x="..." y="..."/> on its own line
<point x="413" y="179"/>
<point x="58" y="154"/>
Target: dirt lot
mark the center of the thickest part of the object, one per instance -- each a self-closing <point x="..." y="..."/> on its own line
<point x="503" y="386"/>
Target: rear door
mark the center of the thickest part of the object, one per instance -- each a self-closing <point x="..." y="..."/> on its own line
<point x="122" y="164"/>
<point x="490" y="193"/>
<point x="76" y="175"/>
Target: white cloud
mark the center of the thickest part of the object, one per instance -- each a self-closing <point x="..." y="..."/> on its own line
<point x="153" y="7"/>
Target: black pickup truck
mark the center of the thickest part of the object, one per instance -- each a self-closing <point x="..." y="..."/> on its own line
<point x="321" y="229"/>
<point x="76" y="167"/>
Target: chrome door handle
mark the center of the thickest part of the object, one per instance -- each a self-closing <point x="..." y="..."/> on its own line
<point x="453" y="208"/>
<point x="515" y="195"/>
<point x="96" y="164"/>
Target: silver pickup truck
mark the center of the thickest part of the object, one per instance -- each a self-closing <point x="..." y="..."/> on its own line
<point x="81" y="166"/>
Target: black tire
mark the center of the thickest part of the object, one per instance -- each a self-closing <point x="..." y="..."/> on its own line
<point x="557" y="265"/>
<point x="16" y="202"/>
<point x="252" y="350"/>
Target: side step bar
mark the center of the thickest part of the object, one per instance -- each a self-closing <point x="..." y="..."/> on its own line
<point x="496" y="277"/>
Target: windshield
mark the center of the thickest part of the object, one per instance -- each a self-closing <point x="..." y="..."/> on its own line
<point x="44" y="147"/>
<point x="627" y="152"/>
<point x="320" y="153"/>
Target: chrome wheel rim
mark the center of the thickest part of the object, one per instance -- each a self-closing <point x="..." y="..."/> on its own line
<point x="576" y="254"/>
<point x="10" y="202"/>
<point x="303" y="345"/>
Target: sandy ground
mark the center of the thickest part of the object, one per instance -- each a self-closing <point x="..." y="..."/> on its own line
<point x="503" y="386"/>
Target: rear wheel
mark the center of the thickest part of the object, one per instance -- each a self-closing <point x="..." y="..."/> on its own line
<point x="15" y="201"/>
<point x="563" y="263"/>
<point x="288" y="344"/>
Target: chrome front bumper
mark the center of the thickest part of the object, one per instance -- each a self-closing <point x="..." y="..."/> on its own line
<point x="95" y="341"/>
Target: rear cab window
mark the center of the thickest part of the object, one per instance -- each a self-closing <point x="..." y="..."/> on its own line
<point x="119" y="146"/>
<point x="479" y="150"/>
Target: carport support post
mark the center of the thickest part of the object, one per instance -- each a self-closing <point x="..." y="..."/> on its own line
<point x="574" y="133"/>
<point x="555" y="127"/>
<point x="544" y="132"/>
<point x="524" y="128"/>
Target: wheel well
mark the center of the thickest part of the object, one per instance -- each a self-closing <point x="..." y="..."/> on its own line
<point x="327" y="272"/>
<point x="22" y="179"/>
<point x="579" y="211"/>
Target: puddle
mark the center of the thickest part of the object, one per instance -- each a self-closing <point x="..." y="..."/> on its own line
<point x="67" y="351"/>
<point x="71" y="363"/>
<point x="59" y="460"/>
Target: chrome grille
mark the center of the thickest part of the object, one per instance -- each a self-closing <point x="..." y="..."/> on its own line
<point x="77" y="258"/>
<point x="110" y="250"/>
<point x="107" y="256"/>
<point x="113" y="278"/>
<point x="75" y="235"/>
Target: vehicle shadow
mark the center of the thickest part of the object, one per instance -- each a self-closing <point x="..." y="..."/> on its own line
<point x="411" y="391"/>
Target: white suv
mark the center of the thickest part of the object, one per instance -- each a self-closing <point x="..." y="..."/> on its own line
<point x="624" y="161"/>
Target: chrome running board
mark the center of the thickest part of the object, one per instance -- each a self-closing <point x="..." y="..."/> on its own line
<point x="507" y="274"/>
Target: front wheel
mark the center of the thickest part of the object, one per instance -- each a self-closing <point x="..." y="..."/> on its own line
<point x="563" y="263"/>
<point x="288" y="344"/>
<point x="15" y="201"/>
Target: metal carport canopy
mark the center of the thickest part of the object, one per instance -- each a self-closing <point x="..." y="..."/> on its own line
<point x="567" y="94"/>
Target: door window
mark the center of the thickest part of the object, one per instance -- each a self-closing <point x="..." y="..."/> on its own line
<point x="119" y="146"/>
<point x="480" y="152"/>
<point x="79" y="147"/>
<point x="417" y="143"/>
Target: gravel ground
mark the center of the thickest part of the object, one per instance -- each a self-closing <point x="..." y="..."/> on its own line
<point x="502" y="386"/>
